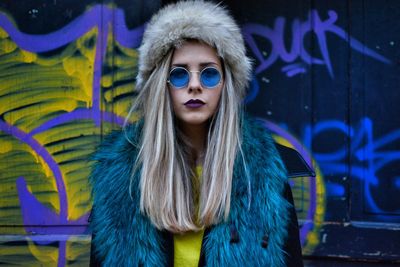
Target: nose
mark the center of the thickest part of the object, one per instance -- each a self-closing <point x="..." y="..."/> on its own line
<point x="194" y="82"/>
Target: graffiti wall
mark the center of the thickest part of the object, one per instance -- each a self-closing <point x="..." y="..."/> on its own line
<point x="326" y="78"/>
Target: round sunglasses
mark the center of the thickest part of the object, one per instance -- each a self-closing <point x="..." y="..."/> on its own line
<point x="179" y="77"/>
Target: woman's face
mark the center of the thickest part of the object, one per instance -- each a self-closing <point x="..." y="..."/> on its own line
<point x="194" y="103"/>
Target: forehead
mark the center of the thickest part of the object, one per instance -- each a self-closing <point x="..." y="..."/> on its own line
<point x="195" y="53"/>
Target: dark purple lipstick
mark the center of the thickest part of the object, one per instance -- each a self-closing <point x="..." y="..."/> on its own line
<point x="194" y="103"/>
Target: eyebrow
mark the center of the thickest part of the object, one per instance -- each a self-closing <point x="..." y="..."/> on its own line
<point x="202" y="64"/>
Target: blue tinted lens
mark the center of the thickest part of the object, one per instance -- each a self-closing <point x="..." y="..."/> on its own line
<point x="210" y="77"/>
<point x="179" y="77"/>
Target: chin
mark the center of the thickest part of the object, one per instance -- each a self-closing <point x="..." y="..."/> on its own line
<point x="194" y="120"/>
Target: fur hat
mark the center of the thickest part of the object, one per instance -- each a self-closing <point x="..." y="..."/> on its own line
<point x="204" y="21"/>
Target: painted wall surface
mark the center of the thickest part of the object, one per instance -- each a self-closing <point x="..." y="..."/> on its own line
<point x="326" y="82"/>
<point x="327" y="73"/>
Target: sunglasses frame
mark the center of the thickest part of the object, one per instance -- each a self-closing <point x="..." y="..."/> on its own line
<point x="190" y="77"/>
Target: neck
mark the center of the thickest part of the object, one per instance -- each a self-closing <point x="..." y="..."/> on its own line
<point x="196" y="134"/>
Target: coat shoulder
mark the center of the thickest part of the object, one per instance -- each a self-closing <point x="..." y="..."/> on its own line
<point x="260" y="148"/>
<point x="260" y="136"/>
<point x="110" y="180"/>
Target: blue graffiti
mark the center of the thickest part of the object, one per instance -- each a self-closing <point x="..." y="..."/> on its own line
<point x="315" y="25"/>
<point x="397" y="182"/>
<point x="335" y="189"/>
<point x="368" y="155"/>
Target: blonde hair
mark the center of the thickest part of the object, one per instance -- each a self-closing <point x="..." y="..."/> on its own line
<point x="165" y="160"/>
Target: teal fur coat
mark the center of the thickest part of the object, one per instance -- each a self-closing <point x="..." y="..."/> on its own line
<point x="264" y="234"/>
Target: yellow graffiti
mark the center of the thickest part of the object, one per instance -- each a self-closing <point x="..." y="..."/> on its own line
<point x="82" y="67"/>
<point x="78" y="250"/>
<point x="22" y="161"/>
<point x="124" y="64"/>
<point x="18" y="256"/>
<point x="302" y="200"/>
<point x="5" y="146"/>
<point x="45" y="254"/>
<point x="3" y="34"/>
<point x="313" y="237"/>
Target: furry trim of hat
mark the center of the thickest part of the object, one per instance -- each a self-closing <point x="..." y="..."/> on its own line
<point x="203" y="21"/>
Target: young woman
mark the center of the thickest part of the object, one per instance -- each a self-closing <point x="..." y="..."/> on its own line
<point x="194" y="182"/>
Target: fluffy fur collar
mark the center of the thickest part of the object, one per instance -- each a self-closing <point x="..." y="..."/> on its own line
<point x="124" y="237"/>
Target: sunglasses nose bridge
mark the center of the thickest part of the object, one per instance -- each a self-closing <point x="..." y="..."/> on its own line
<point x="194" y="80"/>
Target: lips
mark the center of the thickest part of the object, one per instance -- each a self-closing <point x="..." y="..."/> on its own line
<point x="194" y="103"/>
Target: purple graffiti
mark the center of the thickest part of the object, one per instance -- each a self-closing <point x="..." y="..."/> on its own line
<point x="27" y="199"/>
<point x="314" y="25"/>
<point x="48" y="159"/>
<point x="78" y="114"/>
<point x="100" y="17"/>
<point x="35" y="213"/>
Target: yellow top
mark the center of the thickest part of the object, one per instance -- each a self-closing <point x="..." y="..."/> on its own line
<point x="187" y="246"/>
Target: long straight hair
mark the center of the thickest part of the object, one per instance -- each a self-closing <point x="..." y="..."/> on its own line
<point x="165" y="160"/>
